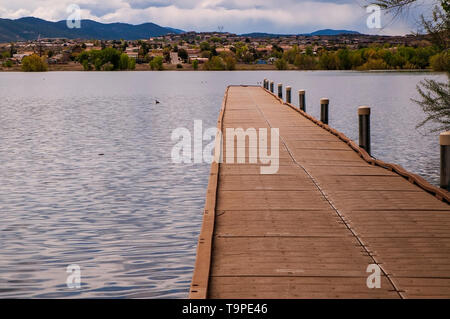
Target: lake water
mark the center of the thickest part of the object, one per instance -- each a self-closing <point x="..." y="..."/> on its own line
<point x="86" y="176"/>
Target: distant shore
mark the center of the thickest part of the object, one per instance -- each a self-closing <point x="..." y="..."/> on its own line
<point x="145" y="67"/>
<point x="188" y="67"/>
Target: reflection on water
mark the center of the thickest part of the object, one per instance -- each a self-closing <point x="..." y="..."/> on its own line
<point x="86" y="177"/>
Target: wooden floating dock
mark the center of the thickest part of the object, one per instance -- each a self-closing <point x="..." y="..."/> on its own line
<point x="312" y="229"/>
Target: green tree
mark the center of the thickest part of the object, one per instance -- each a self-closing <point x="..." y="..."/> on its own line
<point x="12" y="49"/>
<point x="440" y="62"/>
<point x="204" y="46"/>
<point x="374" y="64"/>
<point x="195" y="64"/>
<point x="281" y="64"/>
<point x="7" y="64"/>
<point x="230" y="63"/>
<point x="131" y="64"/>
<point x="343" y="56"/>
<point x="291" y="54"/>
<point x="328" y="61"/>
<point x="86" y="65"/>
<point x="111" y="55"/>
<point x="183" y="54"/>
<point x="6" y="55"/>
<point x="305" y="62"/>
<point x="34" y="63"/>
<point x="216" y="63"/>
<point x="108" y="67"/>
<point x="123" y="62"/>
<point x="157" y="63"/>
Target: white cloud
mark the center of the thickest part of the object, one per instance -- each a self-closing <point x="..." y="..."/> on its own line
<point x="281" y="16"/>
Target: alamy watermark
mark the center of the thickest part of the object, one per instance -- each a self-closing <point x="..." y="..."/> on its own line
<point x="73" y="21"/>
<point x="374" y="279"/>
<point x="73" y="280"/>
<point x="374" y="19"/>
<point x="238" y="142"/>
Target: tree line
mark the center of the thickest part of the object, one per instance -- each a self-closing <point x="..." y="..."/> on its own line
<point x="372" y="58"/>
<point x="107" y="59"/>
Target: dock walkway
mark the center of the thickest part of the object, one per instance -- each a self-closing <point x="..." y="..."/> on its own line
<point x="312" y="229"/>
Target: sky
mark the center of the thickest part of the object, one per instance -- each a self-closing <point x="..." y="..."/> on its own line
<point x="236" y="16"/>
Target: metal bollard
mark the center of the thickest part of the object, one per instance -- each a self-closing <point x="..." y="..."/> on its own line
<point x="364" y="127"/>
<point x="324" y="102"/>
<point x="280" y="90"/>
<point x="288" y="94"/>
<point x="301" y="100"/>
<point x="271" y="86"/>
<point x="444" y="141"/>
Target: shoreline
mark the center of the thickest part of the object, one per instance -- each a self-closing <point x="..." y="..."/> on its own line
<point x="75" y="67"/>
<point x="237" y="70"/>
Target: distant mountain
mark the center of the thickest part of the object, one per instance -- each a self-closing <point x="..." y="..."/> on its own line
<point x="319" y="32"/>
<point x="176" y="31"/>
<point x="30" y="28"/>
<point x="333" y="32"/>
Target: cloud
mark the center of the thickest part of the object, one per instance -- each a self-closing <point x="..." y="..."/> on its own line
<point x="144" y="4"/>
<point x="238" y="16"/>
<point x="103" y="9"/>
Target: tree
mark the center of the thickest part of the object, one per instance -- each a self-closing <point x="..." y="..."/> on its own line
<point x="7" y="64"/>
<point x="108" y="59"/>
<point x="183" y="54"/>
<point x="204" y="46"/>
<point x="281" y="64"/>
<point x="157" y="63"/>
<point x="123" y="62"/>
<point x="327" y="61"/>
<point x="230" y="62"/>
<point x="131" y="64"/>
<point x="216" y="63"/>
<point x="435" y="101"/>
<point x="440" y="62"/>
<point x="305" y="62"/>
<point x="12" y="49"/>
<point x="291" y="54"/>
<point x="34" y="63"/>
<point x="195" y="64"/>
<point x="110" y="55"/>
<point x="344" y="59"/>
<point x="166" y="54"/>
<point x="6" y="55"/>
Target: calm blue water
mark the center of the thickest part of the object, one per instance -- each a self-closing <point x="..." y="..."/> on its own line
<point x="86" y="176"/>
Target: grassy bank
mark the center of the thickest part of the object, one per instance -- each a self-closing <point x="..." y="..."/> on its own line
<point x="186" y="67"/>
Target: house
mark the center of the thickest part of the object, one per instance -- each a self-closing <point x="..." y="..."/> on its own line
<point x="19" y="56"/>
<point x="132" y="52"/>
<point x="200" y="60"/>
<point x="219" y="50"/>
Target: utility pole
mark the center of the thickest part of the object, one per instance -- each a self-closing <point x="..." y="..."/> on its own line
<point x="39" y="45"/>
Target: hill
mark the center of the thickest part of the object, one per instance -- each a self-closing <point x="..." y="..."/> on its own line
<point x="319" y="32"/>
<point x="30" y="28"/>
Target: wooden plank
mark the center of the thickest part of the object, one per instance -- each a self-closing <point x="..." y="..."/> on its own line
<point x="297" y="287"/>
